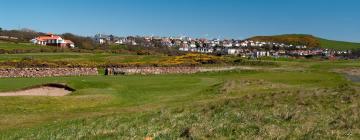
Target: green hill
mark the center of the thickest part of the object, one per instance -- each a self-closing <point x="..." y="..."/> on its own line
<point x="295" y="39"/>
<point x="331" y="44"/>
<point x="308" y="40"/>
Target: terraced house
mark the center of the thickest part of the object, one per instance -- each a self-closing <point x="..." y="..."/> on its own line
<point x="53" y="40"/>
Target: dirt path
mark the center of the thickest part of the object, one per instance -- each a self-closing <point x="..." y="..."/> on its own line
<point x="39" y="91"/>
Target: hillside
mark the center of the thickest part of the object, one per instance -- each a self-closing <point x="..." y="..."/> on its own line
<point x="295" y="39"/>
<point x="331" y="44"/>
<point x="308" y="40"/>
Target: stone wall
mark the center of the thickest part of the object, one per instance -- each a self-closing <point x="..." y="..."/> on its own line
<point x="55" y="72"/>
<point x="46" y="72"/>
<point x="163" y="70"/>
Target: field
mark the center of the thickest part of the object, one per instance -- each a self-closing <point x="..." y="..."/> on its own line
<point x="297" y="99"/>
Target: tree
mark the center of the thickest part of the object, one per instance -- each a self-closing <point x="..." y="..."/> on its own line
<point x="81" y="42"/>
<point x="0" y="29"/>
<point x="22" y="35"/>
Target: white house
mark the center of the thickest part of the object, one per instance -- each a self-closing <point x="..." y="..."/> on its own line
<point x="52" y="40"/>
<point x="101" y="39"/>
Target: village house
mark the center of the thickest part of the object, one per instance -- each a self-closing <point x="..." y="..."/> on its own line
<point x="53" y="40"/>
<point x="119" y="41"/>
<point x="227" y="44"/>
<point x="258" y="54"/>
<point x="242" y="48"/>
<point x="193" y="44"/>
<point x="234" y="51"/>
<point x="101" y="38"/>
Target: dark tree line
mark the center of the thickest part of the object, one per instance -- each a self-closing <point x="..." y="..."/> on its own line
<point x="23" y="35"/>
<point x="80" y="41"/>
<point x="356" y="53"/>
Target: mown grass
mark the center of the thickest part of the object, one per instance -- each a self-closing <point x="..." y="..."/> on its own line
<point x="299" y="100"/>
<point x="81" y="57"/>
<point x="94" y="93"/>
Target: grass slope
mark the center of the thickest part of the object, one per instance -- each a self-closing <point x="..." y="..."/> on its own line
<point x="11" y="46"/>
<point x="295" y="39"/>
<point x="302" y="100"/>
<point x="338" y="45"/>
<point x="309" y="40"/>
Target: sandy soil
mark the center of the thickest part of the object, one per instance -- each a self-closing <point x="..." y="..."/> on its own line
<point x="40" y="91"/>
<point x="350" y="71"/>
<point x="352" y="74"/>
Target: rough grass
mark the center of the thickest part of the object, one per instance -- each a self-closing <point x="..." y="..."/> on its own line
<point x="291" y="103"/>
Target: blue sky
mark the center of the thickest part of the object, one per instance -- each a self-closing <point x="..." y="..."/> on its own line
<point x="333" y="19"/>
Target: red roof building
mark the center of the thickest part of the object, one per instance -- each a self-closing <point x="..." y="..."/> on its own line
<point x="53" y="40"/>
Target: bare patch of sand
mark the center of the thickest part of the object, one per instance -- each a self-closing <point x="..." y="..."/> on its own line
<point x="350" y="71"/>
<point x="44" y="90"/>
<point x="352" y="74"/>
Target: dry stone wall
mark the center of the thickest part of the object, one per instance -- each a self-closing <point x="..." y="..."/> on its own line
<point x="55" y="72"/>
<point x="163" y="70"/>
<point x="46" y="72"/>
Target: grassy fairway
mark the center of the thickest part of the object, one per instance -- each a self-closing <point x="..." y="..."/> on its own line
<point x="82" y="58"/>
<point x="299" y="100"/>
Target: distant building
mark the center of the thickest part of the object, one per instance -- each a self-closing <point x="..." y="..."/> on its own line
<point x="102" y="39"/>
<point x="52" y="40"/>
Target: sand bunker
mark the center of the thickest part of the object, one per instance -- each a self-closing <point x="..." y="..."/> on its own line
<point x="42" y="90"/>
